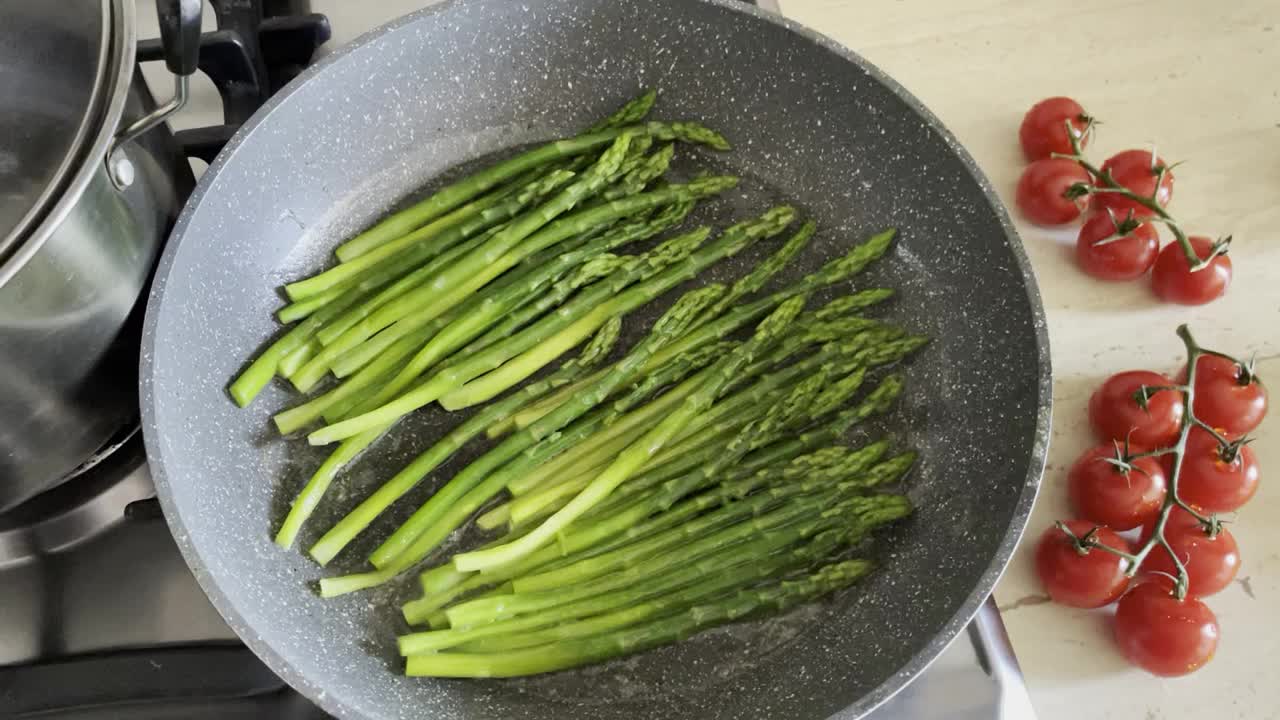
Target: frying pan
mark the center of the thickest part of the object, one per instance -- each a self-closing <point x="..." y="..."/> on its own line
<point x="812" y="124"/>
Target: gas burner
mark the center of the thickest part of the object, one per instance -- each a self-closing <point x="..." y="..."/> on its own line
<point x="257" y="48"/>
<point x="92" y="500"/>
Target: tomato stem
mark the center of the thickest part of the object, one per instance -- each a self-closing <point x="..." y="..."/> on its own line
<point x="1105" y="183"/>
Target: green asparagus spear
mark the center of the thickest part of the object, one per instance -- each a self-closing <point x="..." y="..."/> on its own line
<point x="480" y="266"/>
<point x="560" y="656"/>
<point x="461" y="496"/>
<point x="549" y="338"/>
<point x="350" y="447"/>
<point x="834" y="271"/>
<point x="632" y="609"/>
<point x="761" y="273"/>
<point x="658" y="509"/>
<point x="458" y="193"/>
<point x="637" y="453"/>
<point x="731" y="241"/>
<point x="356" y="521"/>
<point x="790" y="524"/>
<point x="736" y="410"/>
<point x="457" y="243"/>
<point x="730" y="566"/>
<point x="752" y="507"/>
<point x="491" y="308"/>
<point x="453" y="283"/>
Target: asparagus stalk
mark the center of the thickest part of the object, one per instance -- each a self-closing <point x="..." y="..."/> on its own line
<point x="560" y="656"/>
<point x="642" y="229"/>
<point x="701" y="464"/>
<point x="290" y="363"/>
<point x="835" y="271"/>
<point x="412" y="248"/>
<point x="659" y="509"/>
<point x="621" y="425"/>
<point x="632" y="610"/>
<point x="550" y="337"/>
<point x="335" y="404"/>
<point x="359" y="246"/>
<point x="481" y="266"/>
<point x="637" y="453"/>
<point x="652" y="511"/>
<point x="624" y="430"/>
<point x="735" y="409"/>
<point x="458" y="242"/>
<point x="250" y="382"/>
<point x="456" y="194"/>
<point x="313" y="491"/>
<point x="754" y="507"/>
<point x="810" y="399"/>
<point x="462" y="495"/>
<point x="531" y="506"/>
<point x="491" y="308"/>
<point x="402" y="222"/>
<point x="351" y="446"/>
<point x="804" y="336"/>
<point x="743" y="542"/>
<point x="762" y="273"/>
<point x="721" y="572"/>
<point x="730" y="243"/>
<point x="451" y="284"/>
<point x="356" y="521"/>
<point x="456" y="330"/>
<point x="655" y="510"/>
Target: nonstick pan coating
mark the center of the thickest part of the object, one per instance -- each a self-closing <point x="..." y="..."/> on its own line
<point x="812" y="124"/>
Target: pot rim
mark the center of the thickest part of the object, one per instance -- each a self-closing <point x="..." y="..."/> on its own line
<point x="70" y="159"/>
<point x="89" y="159"/>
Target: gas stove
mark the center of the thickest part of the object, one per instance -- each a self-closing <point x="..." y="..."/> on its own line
<point x="99" y="615"/>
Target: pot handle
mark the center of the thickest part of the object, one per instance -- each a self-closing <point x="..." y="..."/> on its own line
<point x="180" y="35"/>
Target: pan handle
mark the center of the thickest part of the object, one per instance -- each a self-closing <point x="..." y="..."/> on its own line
<point x="180" y="35"/>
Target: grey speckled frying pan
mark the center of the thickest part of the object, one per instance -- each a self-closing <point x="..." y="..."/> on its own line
<point x="813" y="124"/>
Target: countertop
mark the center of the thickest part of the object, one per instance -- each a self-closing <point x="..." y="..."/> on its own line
<point x="1203" y="81"/>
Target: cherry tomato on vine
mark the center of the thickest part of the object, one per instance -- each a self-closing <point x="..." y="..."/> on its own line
<point x="1226" y="397"/>
<point x="1138" y="171"/>
<point x="1211" y="562"/>
<point x="1163" y="635"/>
<point x="1115" y="415"/>
<point x="1042" y="191"/>
<point x="1088" y="579"/>
<point x="1044" y="127"/>
<point x="1107" y="495"/>
<point x="1211" y="481"/>
<point x="1173" y="281"/>
<point x="1123" y="258"/>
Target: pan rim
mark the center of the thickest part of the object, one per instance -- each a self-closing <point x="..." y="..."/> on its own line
<point x="869" y="701"/>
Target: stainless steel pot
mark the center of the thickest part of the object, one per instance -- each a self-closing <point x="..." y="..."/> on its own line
<point x="90" y="183"/>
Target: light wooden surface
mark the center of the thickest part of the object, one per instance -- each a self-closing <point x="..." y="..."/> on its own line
<point x="1202" y="80"/>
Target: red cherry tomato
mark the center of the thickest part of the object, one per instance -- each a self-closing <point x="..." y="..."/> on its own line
<point x="1042" y="191"/>
<point x="1136" y="170"/>
<point x="1211" y="562"/>
<point x="1173" y="281"/>
<point x="1163" y="635"/>
<point x="1044" y="127"/>
<point x="1102" y="493"/>
<point x="1209" y="481"/>
<point x="1125" y="258"/>
<point x="1115" y="415"/>
<point x="1090" y="579"/>
<point x="1223" y="401"/>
